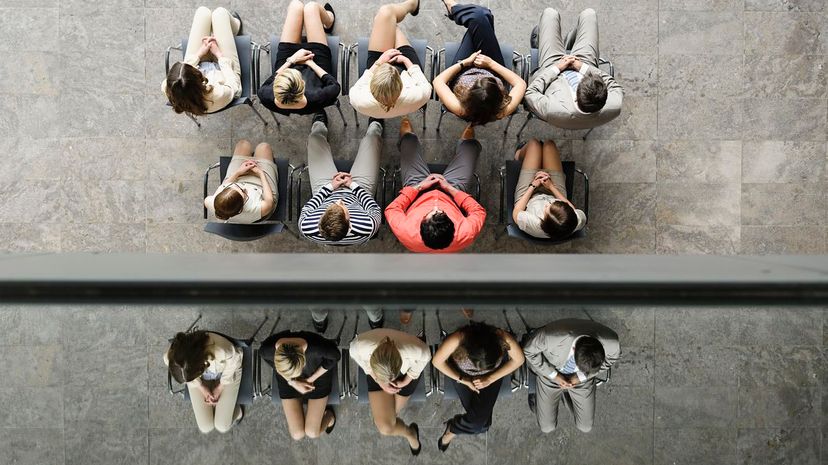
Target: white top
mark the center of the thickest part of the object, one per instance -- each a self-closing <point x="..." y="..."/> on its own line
<point x="529" y="220"/>
<point x="415" y="93"/>
<point x="414" y="352"/>
<point x="252" y="209"/>
<point x="224" y="80"/>
<point x="224" y="361"/>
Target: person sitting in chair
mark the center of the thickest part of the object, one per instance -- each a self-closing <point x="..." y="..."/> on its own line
<point x="249" y="191"/>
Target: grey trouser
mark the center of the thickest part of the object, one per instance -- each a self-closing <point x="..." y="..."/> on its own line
<point x="580" y="400"/>
<point x="374" y="314"/>
<point x="550" y="43"/>
<point x="458" y="173"/>
<point x="365" y="170"/>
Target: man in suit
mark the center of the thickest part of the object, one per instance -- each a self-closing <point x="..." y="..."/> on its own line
<point x="570" y="91"/>
<point x="566" y="355"/>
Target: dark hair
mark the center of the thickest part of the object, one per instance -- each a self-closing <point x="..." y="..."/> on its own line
<point x="589" y="354"/>
<point x="186" y="88"/>
<point x="483" y="101"/>
<point x="592" y="93"/>
<point x="228" y="203"/>
<point x="187" y="355"/>
<point x="438" y="231"/>
<point x="560" y="222"/>
<point x="333" y="225"/>
<point x="483" y="345"/>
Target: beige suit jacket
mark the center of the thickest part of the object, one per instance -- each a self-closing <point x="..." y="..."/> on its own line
<point x="548" y="347"/>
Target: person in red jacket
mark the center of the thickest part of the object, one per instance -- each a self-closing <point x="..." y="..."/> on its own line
<point x="433" y="212"/>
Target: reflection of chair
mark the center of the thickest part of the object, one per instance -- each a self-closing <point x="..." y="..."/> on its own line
<point x="337" y="51"/>
<point x="360" y="48"/>
<point x="246" y="389"/>
<point x="509" y="174"/>
<point x="533" y="62"/>
<point x="449" y="54"/>
<point x="437" y="168"/>
<point x="248" y="55"/>
<point x="274" y="224"/>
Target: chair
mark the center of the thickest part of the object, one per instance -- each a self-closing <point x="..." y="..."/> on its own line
<point x="360" y="48"/>
<point x="344" y="166"/>
<point x="533" y="62"/>
<point x="274" y="224"/>
<point x="437" y="168"/>
<point x="509" y="174"/>
<point x="246" y="389"/>
<point x="336" y="62"/>
<point x="449" y="53"/>
<point x="248" y="56"/>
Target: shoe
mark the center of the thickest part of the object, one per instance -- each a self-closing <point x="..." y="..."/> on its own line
<point x="416" y="10"/>
<point x="448" y="10"/>
<point x="532" y="399"/>
<point x="320" y="326"/>
<point x="377" y="324"/>
<point x="533" y="39"/>
<point x="329" y="429"/>
<point x="378" y="120"/>
<point x="239" y="420"/>
<point x="440" y="445"/>
<point x="235" y="14"/>
<point x="328" y="7"/>
<point x="321" y="117"/>
<point x="416" y="452"/>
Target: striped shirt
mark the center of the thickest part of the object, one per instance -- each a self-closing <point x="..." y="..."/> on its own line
<point x="363" y="210"/>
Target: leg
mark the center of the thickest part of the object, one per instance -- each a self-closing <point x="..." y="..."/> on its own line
<point x="551" y="156"/>
<point x="202" y="26"/>
<point x="203" y="412"/>
<point x="385" y="418"/>
<point x="413" y="167"/>
<point x="550" y="44"/>
<point x="319" y="315"/>
<point x="226" y="409"/>
<point x="365" y="169"/>
<point x="321" y="168"/>
<point x="263" y="152"/>
<point x="478" y="407"/>
<point x="316" y="420"/>
<point x="400" y="39"/>
<point x="460" y="169"/>
<point x="546" y="406"/>
<point x="400" y="402"/>
<point x="292" y="30"/>
<point x="243" y="148"/>
<point x="583" y="405"/>
<point x="384" y="30"/>
<point x="480" y="33"/>
<point x="586" y="37"/>
<point x="225" y="33"/>
<point x="316" y="20"/>
<point x="295" y="416"/>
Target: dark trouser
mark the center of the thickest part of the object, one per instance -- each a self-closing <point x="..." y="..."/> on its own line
<point x="480" y="33"/>
<point x="479" y="407"/>
<point x="458" y="173"/>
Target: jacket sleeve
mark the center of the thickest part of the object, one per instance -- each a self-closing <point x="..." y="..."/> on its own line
<point x="536" y="99"/>
<point x="232" y="78"/>
<point x="360" y="351"/>
<point x="265" y="94"/>
<point x="329" y="352"/>
<point x="330" y="90"/>
<point x="367" y="202"/>
<point x="615" y="97"/>
<point x="419" y="89"/>
<point x="233" y="368"/>
<point x="395" y="212"/>
<point x="475" y="217"/>
<point x="534" y="352"/>
<point x="360" y="96"/>
<point x="306" y="226"/>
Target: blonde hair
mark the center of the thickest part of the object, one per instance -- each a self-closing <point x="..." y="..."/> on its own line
<point x="288" y="87"/>
<point x="289" y="361"/>
<point x="386" y="85"/>
<point x="386" y="361"/>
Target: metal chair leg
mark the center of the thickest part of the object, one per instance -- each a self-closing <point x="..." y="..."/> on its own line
<point x="587" y="133"/>
<point x="278" y="124"/>
<point x="252" y="107"/>
<point x="440" y="120"/>
<point x="356" y="118"/>
<point x="341" y="115"/>
<point x="423" y="111"/>
<point x="508" y="123"/>
<point x="194" y="120"/>
<point x="528" y="117"/>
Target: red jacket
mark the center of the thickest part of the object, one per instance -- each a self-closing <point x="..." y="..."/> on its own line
<point x="407" y="211"/>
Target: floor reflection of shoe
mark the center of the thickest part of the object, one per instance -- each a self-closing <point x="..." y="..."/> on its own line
<point x="377" y="324"/>
<point x="405" y="316"/>
<point x="532" y="399"/>
<point x="320" y="326"/>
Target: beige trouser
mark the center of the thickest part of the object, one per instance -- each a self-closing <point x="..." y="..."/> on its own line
<point x="219" y="417"/>
<point x="579" y="399"/>
<point x="551" y="45"/>
<point x="222" y="26"/>
<point x="365" y="170"/>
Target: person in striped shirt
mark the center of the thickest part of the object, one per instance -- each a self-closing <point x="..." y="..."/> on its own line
<point x="342" y="209"/>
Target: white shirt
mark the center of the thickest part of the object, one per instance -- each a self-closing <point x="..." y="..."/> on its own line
<point x="252" y="209"/>
<point x="529" y="220"/>
<point x="415" y="93"/>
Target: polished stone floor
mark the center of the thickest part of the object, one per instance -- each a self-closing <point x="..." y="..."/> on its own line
<point x="696" y="386"/>
<point x="721" y="146"/>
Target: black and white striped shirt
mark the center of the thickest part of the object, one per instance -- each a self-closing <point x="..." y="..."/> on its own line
<point x="363" y="210"/>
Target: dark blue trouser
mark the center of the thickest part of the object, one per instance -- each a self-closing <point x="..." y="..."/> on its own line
<point x="479" y="407"/>
<point x="480" y="33"/>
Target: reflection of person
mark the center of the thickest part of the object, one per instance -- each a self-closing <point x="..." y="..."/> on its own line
<point x="566" y="355"/>
<point x="212" y="368"/>
<point x="475" y="356"/>
<point x="209" y="78"/>
<point x="249" y="191"/>
<point x="393" y="362"/>
<point x="376" y="318"/>
<point x="304" y="362"/>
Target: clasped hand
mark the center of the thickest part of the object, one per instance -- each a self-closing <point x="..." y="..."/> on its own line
<point x="566" y="382"/>
<point x="301" y="56"/>
<point x="301" y="385"/>
<point x="478" y="60"/>
<point x="567" y="62"/>
<point x="396" y="385"/>
<point x="541" y="178"/>
<point x="249" y="166"/>
<point x="341" y="179"/>
<point x="435" y="180"/>
<point x="209" y="46"/>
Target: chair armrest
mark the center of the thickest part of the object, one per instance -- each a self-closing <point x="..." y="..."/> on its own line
<point x="586" y="192"/>
<point x="436" y="68"/>
<point x="298" y="179"/>
<point x="602" y="61"/>
<point x="502" y="173"/>
<point x="170" y="386"/>
<point x="350" y="50"/>
<point x="477" y="188"/>
<point x="206" y="182"/>
<point x="256" y="72"/>
<point x="167" y="57"/>
<point x="518" y="63"/>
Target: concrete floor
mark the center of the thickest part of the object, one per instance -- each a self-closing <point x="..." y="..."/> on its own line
<point x="721" y="147"/>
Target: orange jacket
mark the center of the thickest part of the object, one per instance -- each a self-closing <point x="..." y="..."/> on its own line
<point x="407" y="211"/>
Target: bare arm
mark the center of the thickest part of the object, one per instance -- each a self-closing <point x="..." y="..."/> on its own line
<point x="516" y="358"/>
<point x="444" y="92"/>
<point x="517" y="83"/>
<point x="267" y="197"/>
<point x="523" y="201"/>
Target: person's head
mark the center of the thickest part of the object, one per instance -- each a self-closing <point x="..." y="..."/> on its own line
<point x="589" y="355"/>
<point x="188" y="356"/>
<point x="289" y="360"/>
<point x="289" y="87"/>
<point x="483" y="345"/>
<point x="335" y="222"/>
<point x="559" y="220"/>
<point x="386" y="85"/>
<point x="592" y="93"/>
<point x="186" y="89"/>
<point x="386" y="361"/>
<point x="484" y="101"/>
<point x="229" y="202"/>
<point x="437" y="230"/>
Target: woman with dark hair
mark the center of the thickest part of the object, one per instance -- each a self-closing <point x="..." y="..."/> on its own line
<point x="211" y="366"/>
<point x="477" y="356"/>
<point x="248" y="192"/>
<point x="473" y="87"/>
<point x="541" y="208"/>
<point x="304" y="362"/>
<point x="209" y="78"/>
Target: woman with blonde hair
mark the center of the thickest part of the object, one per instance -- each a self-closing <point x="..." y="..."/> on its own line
<point x="304" y="362"/>
<point x="302" y="83"/>
<point x="393" y="362"/>
<point x="393" y="83"/>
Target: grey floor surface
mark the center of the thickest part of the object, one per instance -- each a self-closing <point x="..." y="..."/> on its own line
<point x="721" y="147"/>
<point x="87" y="385"/>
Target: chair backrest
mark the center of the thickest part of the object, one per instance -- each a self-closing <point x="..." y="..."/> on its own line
<point x="333" y="44"/>
<point x="245" y="51"/>
<point x="419" y="46"/>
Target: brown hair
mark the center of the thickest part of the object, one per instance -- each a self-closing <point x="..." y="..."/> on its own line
<point x="187" y="355"/>
<point x="483" y="101"/>
<point x="386" y="85"/>
<point x="560" y="221"/>
<point x="186" y="88"/>
<point x="334" y="225"/>
<point x="592" y="93"/>
<point x="228" y="203"/>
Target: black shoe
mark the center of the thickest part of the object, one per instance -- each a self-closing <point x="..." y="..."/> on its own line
<point x="321" y="117"/>
<point x="416" y="10"/>
<point x="532" y="399"/>
<point x="416" y="452"/>
<point x="448" y="10"/>
<point x="443" y="447"/>
<point x="329" y="429"/>
<point x="328" y="7"/>
<point x="237" y="422"/>
<point x="320" y="326"/>
<point x="533" y="39"/>
<point x="235" y="14"/>
<point x="378" y="120"/>
<point x="377" y="324"/>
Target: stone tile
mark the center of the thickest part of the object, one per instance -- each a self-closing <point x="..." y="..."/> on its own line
<point x="778" y="445"/>
<point x="29" y="116"/>
<point x="180" y="238"/>
<point x="29" y="72"/>
<point x="786" y="365"/>
<point x="85" y="5"/>
<point x="700" y="33"/>
<point x="683" y="76"/>
<point x="248" y="446"/>
<point x="779" y="406"/>
<point x="700" y="5"/>
<point x="101" y="115"/>
<point x="29" y="29"/>
<point x="40" y="157"/>
<point x="166" y="25"/>
<point x="634" y="327"/>
<point x="106" y="238"/>
<point x="124" y="72"/>
<point x="792" y="119"/>
<point x="638" y="74"/>
<point x="163" y="323"/>
<point x="628" y="31"/>
<point x="103" y="158"/>
<point x="105" y="326"/>
<point x="108" y="365"/>
<point x="92" y="445"/>
<point x="618" y="406"/>
<point x="698" y="240"/>
<point x="699" y="118"/>
<point x="635" y="368"/>
<point x="804" y="204"/>
<point x="32" y="446"/>
<point x="764" y="240"/>
<point x="617" y="161"/>
<point x="39" y="407"/>
<point x="31" y="202"/>
<point x="774" y="326"/>
<point x="169" y="411"/>
<point x="793" y="76"/>
<point x="174" y="201"/>
<point x="696" y="366"/>
<point x="682" y="204"/>
<point x="32" y="366"/>
<point x="30" y="325"/>
<point x="626" y="239"/>
<point x="784" y="33"/>
<point x="686" y="446"/>
<point x="105" y="202"/>
<point x="637" y="121"/>
<point x="110" y="408"/>
<point x="784" y="5"/>
<point x="163" y="122"/>
<point x="783" y="161"/>
<point x="695" y="327"/>
<point x="699" y="161"/>
<point x="628" y="203"/>
<point x="29" y="238"/>
<point x="177" y="445"/>
<point x="112" y="28"/>
<point x="684" y="407"/>
<point x="185" y="158"/>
